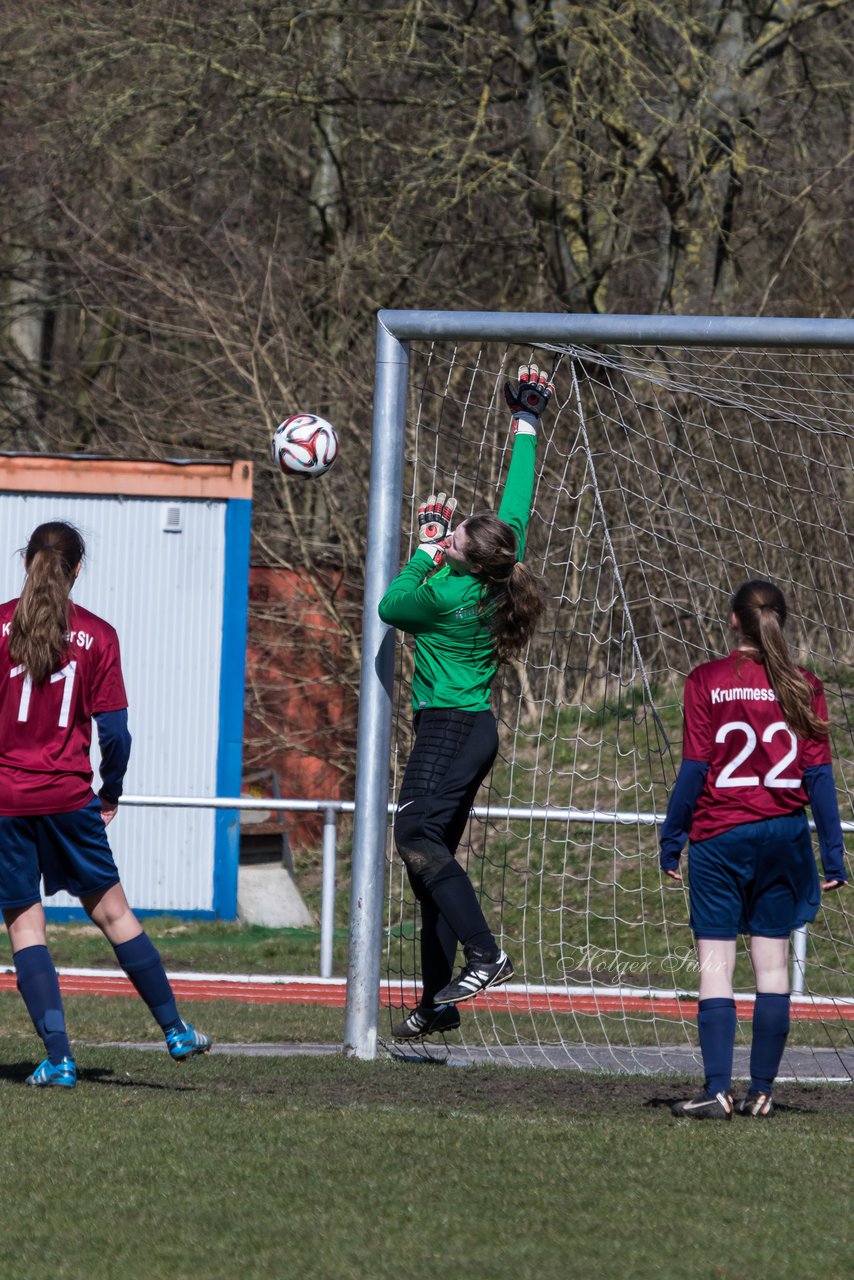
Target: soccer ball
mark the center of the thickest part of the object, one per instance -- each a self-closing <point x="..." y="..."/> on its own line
<point x="304" y="445"/>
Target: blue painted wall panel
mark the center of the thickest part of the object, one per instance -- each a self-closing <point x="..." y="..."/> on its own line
<point x="178" y="602"/>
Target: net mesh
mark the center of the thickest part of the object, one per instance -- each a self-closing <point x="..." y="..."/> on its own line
<point x="665" y="479"/>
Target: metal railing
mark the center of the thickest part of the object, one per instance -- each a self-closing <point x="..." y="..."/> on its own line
<point x="332" y="808"/>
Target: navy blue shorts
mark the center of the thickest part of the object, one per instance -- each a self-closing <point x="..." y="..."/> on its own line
<point x="70" y="850"/>
<point x="759" y="878"/>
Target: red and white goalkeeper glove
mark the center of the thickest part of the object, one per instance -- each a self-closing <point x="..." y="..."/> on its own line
<point x="434" y="524"/>
<point x="529" y="399"/>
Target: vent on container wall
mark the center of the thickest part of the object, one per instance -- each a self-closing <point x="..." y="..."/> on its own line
<point x="172" y="522"/>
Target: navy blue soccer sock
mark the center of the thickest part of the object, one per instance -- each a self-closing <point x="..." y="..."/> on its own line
<point x="770" y="1031"/>
<point x="39" y="985"/>
<point x="716" y="1023"/>
<point x="141" y="961"/>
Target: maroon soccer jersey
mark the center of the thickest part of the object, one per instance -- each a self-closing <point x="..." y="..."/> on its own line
<point x="46" y="730"/>
<point x="756" y="763"/>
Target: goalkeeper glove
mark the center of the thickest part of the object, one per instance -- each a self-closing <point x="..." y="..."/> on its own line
<point x="434" y="524"/>
<point x="529" y="399"/>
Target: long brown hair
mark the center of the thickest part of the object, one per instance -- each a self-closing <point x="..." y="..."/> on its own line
<point x="760" y="609"/>
<point x="40" y="620"/>
<point x="514" y="593"/>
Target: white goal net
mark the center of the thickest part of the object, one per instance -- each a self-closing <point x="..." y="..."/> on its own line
<point x="666" y="478"/>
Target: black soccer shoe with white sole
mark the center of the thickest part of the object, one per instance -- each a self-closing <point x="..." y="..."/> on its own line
<point x="758" y="1105"/>
<point x="706" y="1106"/>
<point x="424" y="1021"/>
<point x="477" y="975"/>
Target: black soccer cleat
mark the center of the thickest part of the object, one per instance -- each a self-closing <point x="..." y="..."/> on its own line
<point x="758" y="1105"/>
<point x="477" y="975"/>
<point x="706" y="1106"/>
<point x="426" y="1021"/>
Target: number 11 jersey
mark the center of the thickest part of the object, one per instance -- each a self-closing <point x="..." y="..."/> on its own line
<point x="734" y="723"/>
<point x="46" y="729"/>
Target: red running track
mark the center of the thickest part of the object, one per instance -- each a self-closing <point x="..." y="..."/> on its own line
<point x="332" y="994"/>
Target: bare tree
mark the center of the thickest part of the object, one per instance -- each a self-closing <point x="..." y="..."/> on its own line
<point x="204" y="204"/>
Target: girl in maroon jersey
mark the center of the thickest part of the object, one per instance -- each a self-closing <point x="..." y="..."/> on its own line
<point x="755" y="752"/>
<point x="59" y="669"/>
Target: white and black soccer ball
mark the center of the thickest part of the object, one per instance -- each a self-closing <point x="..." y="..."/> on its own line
<point x="304" y="445"/>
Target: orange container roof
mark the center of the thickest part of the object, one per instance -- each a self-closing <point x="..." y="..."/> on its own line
<point x="125" y="477"/>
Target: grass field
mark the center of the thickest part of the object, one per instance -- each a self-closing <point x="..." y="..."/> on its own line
<point x="316" y="1168"/>
<point x="208" y="946"/>
<point x="238" y="1166"/>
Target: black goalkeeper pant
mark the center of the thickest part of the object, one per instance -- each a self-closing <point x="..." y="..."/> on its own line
<point x="452" y="754"/>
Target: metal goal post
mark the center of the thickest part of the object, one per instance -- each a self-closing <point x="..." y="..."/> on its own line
<point x="395" y="330"/>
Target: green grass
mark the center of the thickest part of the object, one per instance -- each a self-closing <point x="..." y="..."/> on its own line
<point x="96" y="1020"/>
<point x="205" y="946"/>
<point x="325" y="1168"/>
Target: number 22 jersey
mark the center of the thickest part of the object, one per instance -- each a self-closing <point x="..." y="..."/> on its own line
<point x="46" y="729"/>
<point x="734" y="723"/>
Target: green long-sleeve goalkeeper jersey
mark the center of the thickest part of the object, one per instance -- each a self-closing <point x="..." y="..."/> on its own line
<point x="447" y="613"/>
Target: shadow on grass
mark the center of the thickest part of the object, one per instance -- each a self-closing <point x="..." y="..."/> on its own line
<point x="17" y="1072"/>
<point x="104" y="1076"/>
<point x="664" y="1103"/>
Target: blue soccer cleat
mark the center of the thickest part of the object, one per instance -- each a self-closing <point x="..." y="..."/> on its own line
<point x="187" y="1042"/>
<point x="50" y="1075"/>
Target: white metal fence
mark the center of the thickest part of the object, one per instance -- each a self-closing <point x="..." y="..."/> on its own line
<point x="332" y="808"/>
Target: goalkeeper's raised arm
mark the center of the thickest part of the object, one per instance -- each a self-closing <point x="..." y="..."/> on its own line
<point x="471" y="604"/>
<point x="481" y="560"/>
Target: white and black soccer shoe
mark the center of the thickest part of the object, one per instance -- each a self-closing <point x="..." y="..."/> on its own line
<point x="758" y="1105"/>
<point x="426" y="1021"/>
<point x="477" y="975"/>
<point x="706" y="1106"/>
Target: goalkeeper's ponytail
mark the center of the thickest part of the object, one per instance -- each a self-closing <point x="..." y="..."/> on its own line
<point x="514" y="593"/>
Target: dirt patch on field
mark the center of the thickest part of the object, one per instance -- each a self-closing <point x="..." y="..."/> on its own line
<point x="488" y="1088"/>
<point x="565" y="1091"/>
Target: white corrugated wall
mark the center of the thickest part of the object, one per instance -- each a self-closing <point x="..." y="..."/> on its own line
<point x="163" y="592"/>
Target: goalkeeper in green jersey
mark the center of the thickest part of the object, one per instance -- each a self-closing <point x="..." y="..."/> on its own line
<point x="470" y="604"/>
